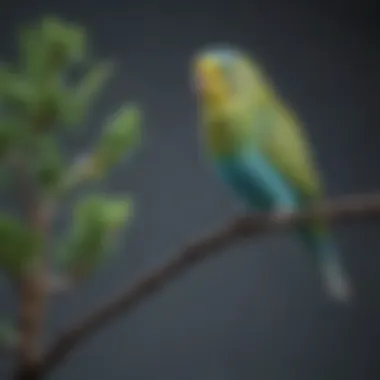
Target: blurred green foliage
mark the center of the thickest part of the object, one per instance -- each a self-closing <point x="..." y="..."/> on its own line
<point x="19" y="245"/>
<point x="38" y="100"/>
<point x="96" y="220"/>
<point x="8" y="335"/>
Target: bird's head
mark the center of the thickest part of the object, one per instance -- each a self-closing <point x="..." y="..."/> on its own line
<point x="211" y="73"/>
<point x="220" y="73"/>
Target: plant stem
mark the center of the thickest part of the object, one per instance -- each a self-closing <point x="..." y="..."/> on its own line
<point x="33" y="290"/>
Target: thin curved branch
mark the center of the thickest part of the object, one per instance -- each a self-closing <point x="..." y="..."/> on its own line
<point x="344" y="209"/>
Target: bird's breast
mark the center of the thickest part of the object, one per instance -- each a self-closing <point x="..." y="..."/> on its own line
<point x="219" y="138"/>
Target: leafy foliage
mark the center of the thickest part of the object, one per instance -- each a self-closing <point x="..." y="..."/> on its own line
<point x="20" y="245"/>
<point x="119" y="136"/>
<point x="38" y="100"/>
<point x="77" y="100"/>
<point x="96" y="220"/>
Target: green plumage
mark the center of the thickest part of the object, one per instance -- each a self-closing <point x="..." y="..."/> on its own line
<point x="259" y="148"/>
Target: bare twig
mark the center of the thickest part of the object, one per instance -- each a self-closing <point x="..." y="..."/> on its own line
<point x="345" y="209"/>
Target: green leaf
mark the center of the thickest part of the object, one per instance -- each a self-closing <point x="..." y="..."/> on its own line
<point x="122" y="132"/>
<point x="20" y="246"/>
<point x="15" y="90"/>
<point x="65" y="42"/>
<point x="36" y="103"/>
<point x="12" y="131"/>
<point x="43" y="112"/>
<point x="49" y="47"/>
<point x="116" y="212"/>
<point x="32" y="53"/>
<point x="78" y="100"/>
<point x="91" y="238"/>
<point x="7" y="77"/>
<point x="49" y="164"/>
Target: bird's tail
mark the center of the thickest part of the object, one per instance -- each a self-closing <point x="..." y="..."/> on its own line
<point x="334" y="277"/>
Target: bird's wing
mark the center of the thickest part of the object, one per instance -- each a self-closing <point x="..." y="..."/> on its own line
<point x="287" y="148"/>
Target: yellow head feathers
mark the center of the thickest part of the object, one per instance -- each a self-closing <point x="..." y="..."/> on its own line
<point x="225" y="75"/>
<point x="210" y="81"/>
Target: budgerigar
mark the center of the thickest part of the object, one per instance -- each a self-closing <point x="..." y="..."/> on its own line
<point x="259" y="148"/>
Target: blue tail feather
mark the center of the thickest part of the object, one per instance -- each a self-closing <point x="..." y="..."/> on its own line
<point x="257" y="182"/>
<point x="333" y="275"/>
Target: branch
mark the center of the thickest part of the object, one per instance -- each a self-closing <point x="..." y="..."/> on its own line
<point x="344" y="209"/>
<point x="32" y="292"/>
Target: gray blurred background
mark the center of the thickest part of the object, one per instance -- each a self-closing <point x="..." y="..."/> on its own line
<point x="256" y="312"/>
